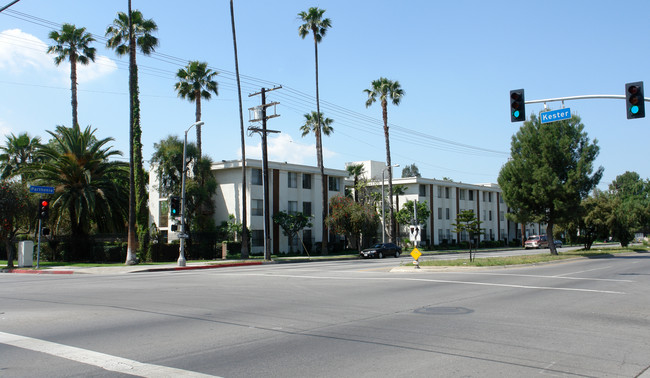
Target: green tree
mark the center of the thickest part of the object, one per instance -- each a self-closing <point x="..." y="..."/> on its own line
<point x="634" y="196"/>
<point x="196" y="81"/>
<point x="292" y="224"/>
<point x="88" y="187"/>
<point x="466" y="221"/>
<point x="597" y="211"/>
<point x="384" y="89"/>
<point x="405" y="214"/>
<point x="316" y="123"/>
<point x="352" y="219"/>
<point x="16" y="213"/>
<point x="73" y="44"/>
<point x="17" y="153"/>
<point x="411" y="171"/>
<point x="315" y="24"/>
<point x="355" y="171"/>
<point x="550" y="171"/>
<point x="128" y="32"/>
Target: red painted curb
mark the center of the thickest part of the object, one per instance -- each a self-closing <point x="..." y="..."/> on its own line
<point x="28" y="271"/>
<point x="198" y="267"/>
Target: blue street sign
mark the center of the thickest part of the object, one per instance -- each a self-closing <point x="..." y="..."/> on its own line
<point x="555" y="115"/>
<point x="41" y="189"/>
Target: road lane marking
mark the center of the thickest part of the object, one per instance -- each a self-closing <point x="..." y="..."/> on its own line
<point x="561" y="276"/>
<point x="430" y="280"/>
<point x="101" y="360"/>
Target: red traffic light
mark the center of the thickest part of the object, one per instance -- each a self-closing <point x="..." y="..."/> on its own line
<point x="44" y="203"/>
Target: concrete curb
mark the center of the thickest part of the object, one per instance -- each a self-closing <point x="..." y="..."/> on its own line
<point x="212" y="266"/>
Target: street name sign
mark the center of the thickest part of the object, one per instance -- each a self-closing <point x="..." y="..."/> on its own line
<point x="41" y="189"/>
<point x="555" y="115"/>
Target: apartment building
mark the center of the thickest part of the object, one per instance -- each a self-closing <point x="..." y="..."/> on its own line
<point x="292" y="188"/>
<point x="446" y="199"/>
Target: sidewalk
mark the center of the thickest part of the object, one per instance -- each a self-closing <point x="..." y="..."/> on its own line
<point x="130" y="268"/>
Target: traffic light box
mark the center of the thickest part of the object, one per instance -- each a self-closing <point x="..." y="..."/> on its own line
<point x="174" y="206"/>
<point x="517" y="106"/>
<point x="43" y="208"/>
<point x="634" y="100"/>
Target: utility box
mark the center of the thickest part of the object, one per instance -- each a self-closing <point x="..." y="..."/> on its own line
<point x="25" y="253"/>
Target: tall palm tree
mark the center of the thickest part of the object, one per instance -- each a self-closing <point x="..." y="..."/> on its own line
<point x="128" y="32"/>
<point x="355" y="170"/>
<point x="244" y="232"/>
<point x="385" y="89"/>
<point x="88" y="187"/>
<point x="73" y="44"/>
<point x="196" y="81"/>
<point x="18" y="152"/>
<point x="315" y="24"/>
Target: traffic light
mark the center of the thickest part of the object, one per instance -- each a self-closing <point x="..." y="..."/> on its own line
<point x="634" y="100"/>
<point x="43" y="208"/>
<point x="174" y="206"/>
<point x="517" y="106"/>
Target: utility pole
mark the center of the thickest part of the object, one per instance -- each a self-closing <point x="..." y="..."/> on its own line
<point x="265" y="160"/>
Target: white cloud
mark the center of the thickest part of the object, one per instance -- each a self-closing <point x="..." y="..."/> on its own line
<point x="24" y="54"/>
<point x="284" y="148"/>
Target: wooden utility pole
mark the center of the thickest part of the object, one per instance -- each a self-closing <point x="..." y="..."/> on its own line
<point x="265" y="162"/>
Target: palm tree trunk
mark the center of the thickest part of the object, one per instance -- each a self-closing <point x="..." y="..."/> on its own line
<point x="73" y="86"/>
<point x="131" y="241"/>
<point x="391" y="221"/>
<point x="244" y="233"/>
<point x="319" y="152"/>
<point x="198" y="127"/>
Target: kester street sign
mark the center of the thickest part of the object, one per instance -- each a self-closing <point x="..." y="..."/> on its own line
<point x="41" y="189"/>
<point x="555" y="115"/>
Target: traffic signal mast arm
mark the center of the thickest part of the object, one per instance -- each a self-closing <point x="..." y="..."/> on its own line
<point x="647" y="99"/>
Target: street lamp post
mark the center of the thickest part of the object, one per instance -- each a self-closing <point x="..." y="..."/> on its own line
<point x="181" y="257"/>
<point x="383" y="211"/>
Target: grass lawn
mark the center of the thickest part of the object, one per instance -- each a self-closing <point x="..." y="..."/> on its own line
<point x="535" y="259"/>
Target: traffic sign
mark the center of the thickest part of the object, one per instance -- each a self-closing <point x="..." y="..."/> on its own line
<point x="555" y="115"/>
<point x="41" y="189"/>
<point x="415" y="253"/>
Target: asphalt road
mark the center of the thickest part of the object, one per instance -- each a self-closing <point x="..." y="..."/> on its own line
<point x="589" y="317"/>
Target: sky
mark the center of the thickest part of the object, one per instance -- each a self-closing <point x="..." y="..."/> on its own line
<point x="455" y="60"/>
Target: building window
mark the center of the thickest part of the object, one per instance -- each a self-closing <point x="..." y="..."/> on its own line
<point x="489" y="196"/>
<point x="461" y="194"/>
<point x="491" y="234"/>
<point x="471" y="195"/>
<point x="502" y="216"/>
<point x="334" y="185"/>
<point x="306" y="208"/>
<point x="292" y="180"/>
<point x="490" y="214"/>
<point x="447" y="213"/>
<point x="306" y="181"/>
<point x="484" y="214"/>
<point x="257" y="177"/>
<point x="503" y="234"/>
<point x="292" y="207"/>
<point x="446" y="192"/>
<point x="448" y="235"/>
<point x="440" y="235"/>
<point x="501" y="199"/>
<point x="423" y="190"/>
<point x="257" y="238"/>
<point x="464" y="236"/>
<point x="440" y="192"/>
<point x="257" y="207"/>
<point x="440" y="213"/>
<point x="484" y="196"/>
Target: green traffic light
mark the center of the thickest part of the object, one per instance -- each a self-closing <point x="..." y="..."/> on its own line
<point x="634" y="109"/>
<point x="516" y="113"/>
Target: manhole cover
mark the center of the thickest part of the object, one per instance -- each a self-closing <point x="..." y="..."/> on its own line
<point x="443" y="310"/>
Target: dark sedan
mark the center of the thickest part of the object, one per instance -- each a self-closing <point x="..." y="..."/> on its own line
<point x="381" y="250"/>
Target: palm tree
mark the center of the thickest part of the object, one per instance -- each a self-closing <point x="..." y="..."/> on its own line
<point x="196" y="82"/>
<point x="355" y="170"/>
<point x="317" y="25"/>
<point x="88" y="187"/>
<point x="385" y="89"/>
<point x="127" y="33"/>
<point x="74" y="44"/>
<point x="17" y="153"/>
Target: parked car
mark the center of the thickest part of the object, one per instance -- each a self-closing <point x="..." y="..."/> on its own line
<point x="558" y="243"/>
<point x="381" y="250"/>
<point x="536" y="241"/>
